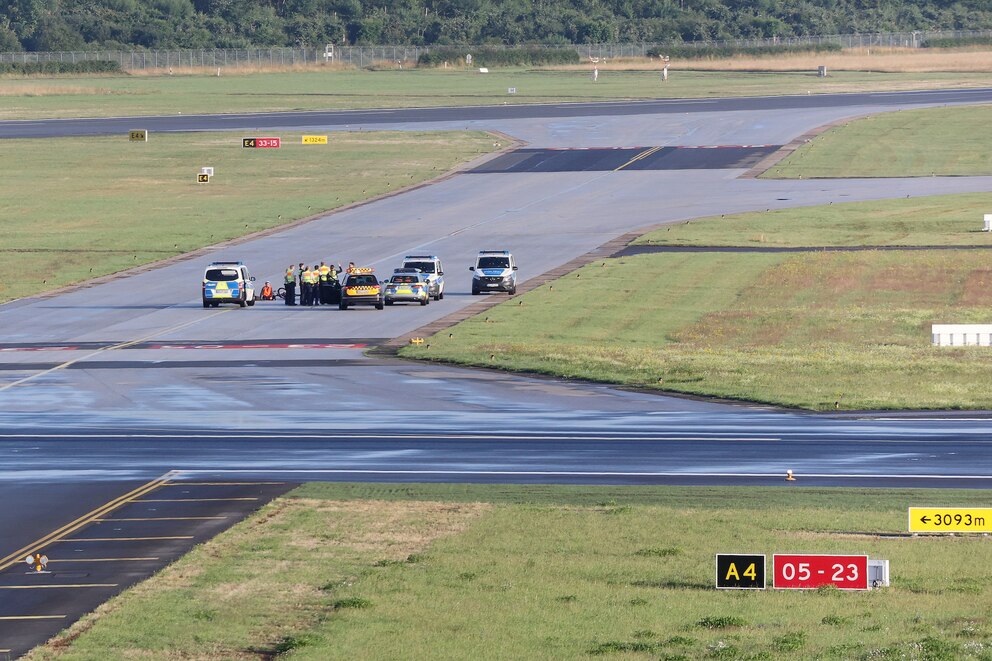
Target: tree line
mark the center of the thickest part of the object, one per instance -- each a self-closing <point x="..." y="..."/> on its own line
<point x="59" y="25"/>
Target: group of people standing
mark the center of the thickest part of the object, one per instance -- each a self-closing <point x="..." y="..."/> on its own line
<point x="310" y="281"/>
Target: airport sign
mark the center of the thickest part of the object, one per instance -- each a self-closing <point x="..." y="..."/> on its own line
<point x="807" y="572"/>
<point x="950" y="519"/>
<point x="735" y="571"/>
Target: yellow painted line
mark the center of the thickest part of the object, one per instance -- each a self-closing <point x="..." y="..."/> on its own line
<point x="220" y="484"/>
<point x="120" y="539"/>
<point x="643" y="154"/>
<point x="166" y="518"/>
<point x="101" y="560"/>
<point x="71" y="527"/>
<point x="119" y="345"/>
<point x="32" y="617"/>
<point x="67" y="585"/>
<point x="187" y="500"/>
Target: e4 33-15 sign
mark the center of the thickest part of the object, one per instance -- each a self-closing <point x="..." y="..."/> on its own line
<point x="261" y="143"/>
<point x="803" y="572"/>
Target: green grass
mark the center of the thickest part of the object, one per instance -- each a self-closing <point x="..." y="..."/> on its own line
<point x="552" y="573"/>
<point x="345" y="89"/>
<point x="811" y="330"/>
<point x="93" y="206"/>
<point x="909" y="143"/>
<point x="923" y="221"/>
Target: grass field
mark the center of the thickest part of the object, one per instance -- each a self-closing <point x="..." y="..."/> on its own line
<point x="205" y="92"/>
<point x="928" y="221"/>
<point x="84" y="207"/>
<point x="810" y="330"/>
<point x="909" y="143"/>
<point x="339" y="571"/>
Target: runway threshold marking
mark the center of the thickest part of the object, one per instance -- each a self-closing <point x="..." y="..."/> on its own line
<point x="643" y="154"/>
<point x="74" y="525"/>
<point x="119" y="345"/>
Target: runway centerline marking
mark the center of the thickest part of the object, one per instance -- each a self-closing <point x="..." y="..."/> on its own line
<point x="119" y="345"/>
<point x="74" y="525"/>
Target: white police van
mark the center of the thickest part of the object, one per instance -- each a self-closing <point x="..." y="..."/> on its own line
<point x="228" y="282"/>
<point x="494" y="270"/>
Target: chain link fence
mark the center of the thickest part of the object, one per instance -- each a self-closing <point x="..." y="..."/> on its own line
<point x="363" y="56"/>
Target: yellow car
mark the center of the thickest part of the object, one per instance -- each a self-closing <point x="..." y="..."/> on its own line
<point x="408" y="285"/>
<point x="361" y="287"/>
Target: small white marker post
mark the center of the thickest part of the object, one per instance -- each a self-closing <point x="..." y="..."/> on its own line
<point x="988" y="222"/>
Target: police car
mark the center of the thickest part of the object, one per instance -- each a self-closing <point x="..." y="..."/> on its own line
<point x="361" y="287"/>
<point x="429" y="265"/>
<point x="408" y="285"/>
<point x="228" y="282"/>
<point x="494" y="270"/>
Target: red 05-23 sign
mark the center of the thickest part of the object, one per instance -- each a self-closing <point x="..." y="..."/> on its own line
<point x="804" y="572"/>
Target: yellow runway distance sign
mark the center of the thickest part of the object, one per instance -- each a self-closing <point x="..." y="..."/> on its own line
<point x="950" y="519"/>
<point x="315" y="139"/>
<point x="137" y="135"/>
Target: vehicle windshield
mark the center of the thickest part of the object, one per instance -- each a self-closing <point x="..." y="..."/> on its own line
<point x="405" y="278"/>
<point x="426" y="267"/>
<point x="494" y="262"/>
<point x="221" y="275"/>
<point x="362" y="281"/>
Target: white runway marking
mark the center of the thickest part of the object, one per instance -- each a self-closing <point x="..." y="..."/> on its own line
<point x="178" y="474"/>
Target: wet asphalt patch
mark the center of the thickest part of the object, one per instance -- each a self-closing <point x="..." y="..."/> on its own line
<point x="114" y="547"/>
<point x="722" y="157"/>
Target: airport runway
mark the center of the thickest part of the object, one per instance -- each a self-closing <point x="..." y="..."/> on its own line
<point x="100" y="391"/>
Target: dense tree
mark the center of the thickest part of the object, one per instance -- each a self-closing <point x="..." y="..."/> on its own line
<point x="77" y="24"/>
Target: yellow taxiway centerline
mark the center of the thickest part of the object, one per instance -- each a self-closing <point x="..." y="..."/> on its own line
<point x="74" y="525"/>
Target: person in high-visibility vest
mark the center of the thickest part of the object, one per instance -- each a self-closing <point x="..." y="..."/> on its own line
<point x="323" y="274"/>
<point x="315" y="275"/>
<point x="289" y="281"/>
<point x="308" y="280"/>
<point x="267" y="294"/>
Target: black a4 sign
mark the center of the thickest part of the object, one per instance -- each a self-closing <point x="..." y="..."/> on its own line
<point x="735" y="571"/>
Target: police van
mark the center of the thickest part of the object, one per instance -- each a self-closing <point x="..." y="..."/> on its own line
<point x="228" y="282"/>
<point x="494" y="270"/>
